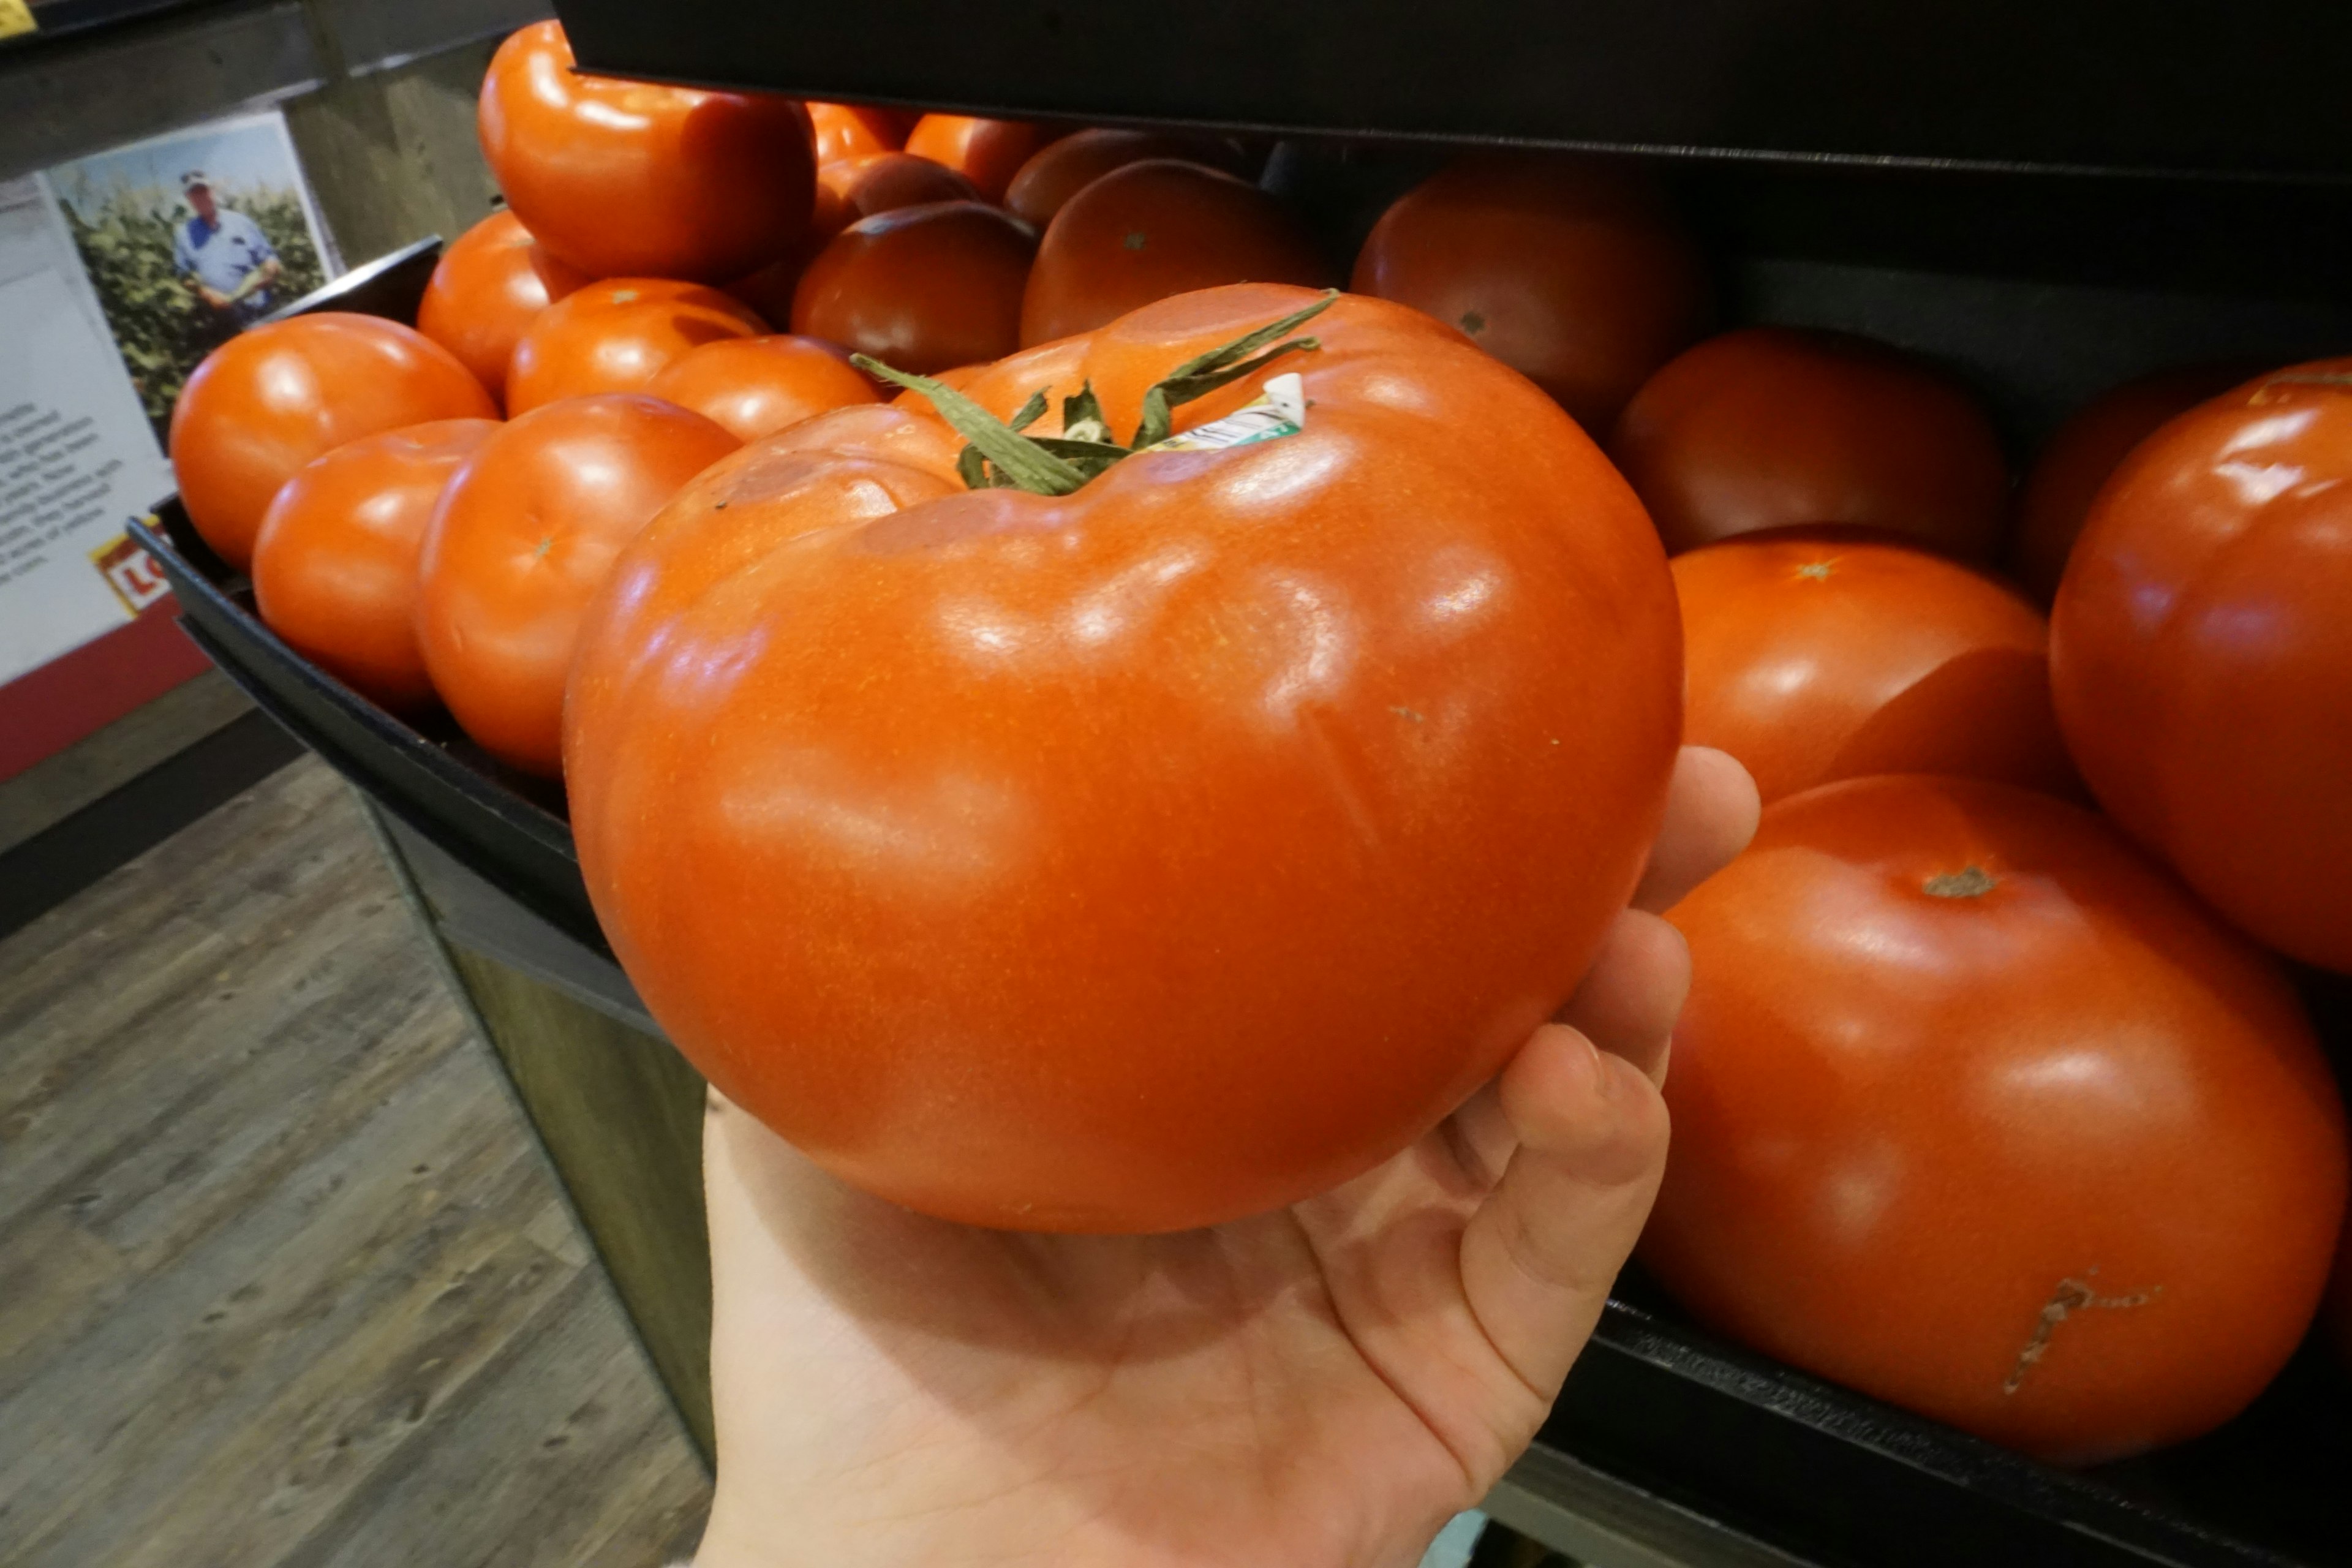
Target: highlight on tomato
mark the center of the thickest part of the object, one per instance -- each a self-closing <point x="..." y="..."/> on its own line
<point x="1089" y="833"/>
<point x="854" y="129"/>
<point x="273" y="397"/>
<point x="1977" y="1112"/>
<point x="490" y="284"/>
<point x="1822" y="653"/>
<point x="925" y="288"/>
<point x="1785" y="427"/>
<point x="2201" y="656"/>
<point x="617" y="335"/>
<point x="524" y="532"/>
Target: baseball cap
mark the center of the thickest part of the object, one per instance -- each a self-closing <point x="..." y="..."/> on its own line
<point x="194" y="178"/>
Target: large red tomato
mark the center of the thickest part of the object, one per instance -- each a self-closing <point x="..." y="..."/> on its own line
<point x="1573" y="273"/>
<point x="921" y="289"/>
<point x="334" y="567"/>
<point x="2058" y="491"/>
<point x="1060" y="170"/>
<point x="1147" y="855"/>
<point x="1976" y="1111"/>
<point x="637" y="179"/>
<point x="1149" y="230"/>
<point x="988" y="153"/>
<point x="1818" y="655"/>
<point x="2201" y="651"/>
<point x="1775" y="428"/>
<point x="852" y="188"/>
<point x="756" y="386"/>
<point x="269" y="400"/>
<point x="487" y="290"/>
<point x="617" y="335"/>
<point x="853" y="129"/>
<point x="524" y="534"/>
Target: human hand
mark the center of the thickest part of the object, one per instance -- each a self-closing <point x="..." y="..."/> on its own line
<point x="1321" y="1387"/>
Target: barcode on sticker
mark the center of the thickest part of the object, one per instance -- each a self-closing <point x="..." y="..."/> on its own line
<point x="1280" y="410"/>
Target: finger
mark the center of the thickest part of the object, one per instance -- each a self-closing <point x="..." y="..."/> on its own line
<point x="1711" y="811"/>
<point x="1633" y="991"/>
<point x="1539" y="1256"/>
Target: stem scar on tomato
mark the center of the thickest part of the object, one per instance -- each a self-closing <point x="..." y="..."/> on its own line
<point x="1972" y="882"/>
<point x="2070" y="1297"/>
<point x="999" y="457"/>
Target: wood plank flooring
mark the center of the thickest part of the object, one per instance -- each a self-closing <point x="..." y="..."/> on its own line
<point x="284" y="1282"/>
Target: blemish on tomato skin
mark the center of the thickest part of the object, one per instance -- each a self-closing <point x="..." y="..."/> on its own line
<point x="2072" y="1295"/>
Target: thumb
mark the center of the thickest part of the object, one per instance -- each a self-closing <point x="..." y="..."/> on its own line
<point x="1540" y="1254"/>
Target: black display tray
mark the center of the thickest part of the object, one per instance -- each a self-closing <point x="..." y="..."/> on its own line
<point x="2237" y="87"/>
<point x="1814" y="1470"/>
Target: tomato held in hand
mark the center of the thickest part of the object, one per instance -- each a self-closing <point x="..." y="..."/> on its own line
<point x="269" y="400"/>
<point x="1976" y="1111"/>
<point x="524" y="534"/>
<point x="617" y="335"/>
<point x="1151" y="854"/>
<point x="487" y="290"/>
<point x="854" y="129"/>
<point x="1775" y="428"/>
<point x="1154" y="229"/>
<point x="1574" y="273"/>
<point x="2057" y="494"/>
<point x="852" y="188"/>
<point x="921" y="289"/>
<point x="2201" y="651"/>
<point x="1817" y="655"/>
<point x="756" y="386"/>
<point x="1060" y="170"/>
<point x="637" y="179"/>
<point x="988" y="153"/>
<point x="334" y="567"/>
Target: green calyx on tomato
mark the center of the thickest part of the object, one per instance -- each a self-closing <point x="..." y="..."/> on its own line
<point x="999" y="456"/>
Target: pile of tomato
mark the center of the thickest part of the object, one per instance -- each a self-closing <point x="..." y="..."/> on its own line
<point x="1108" y="786"/>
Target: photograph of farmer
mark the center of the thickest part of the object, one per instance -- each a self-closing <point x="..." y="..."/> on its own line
<point x="224" y="258"/>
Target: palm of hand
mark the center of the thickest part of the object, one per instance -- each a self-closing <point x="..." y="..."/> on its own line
<point x="1319" y="1386"/>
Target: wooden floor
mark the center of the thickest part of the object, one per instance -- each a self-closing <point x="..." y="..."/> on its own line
<point x="283" y="1280"/>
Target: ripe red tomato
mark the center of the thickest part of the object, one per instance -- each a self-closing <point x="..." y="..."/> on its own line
<point x="1817" y="655"/>
<point x="920" y="289"/>
<point x="1060" y="170"/>
<point x="851" y="188"/>
<point x="1775" y="428"/>
<point x="1150" y="230"/>
<point x="635" y="179"/>
<point x="2200" y="653"/>
<point x="334" y="566"/>
<point x="269" y="400"/>
<point x="487" y="290"/>
<point x="988" y="153"/>
<point x="617" y="335"/>
<point x="524" y="534"/>
<point x="2058" y="491"/>
<point x="1574" y="273"/>
<point x="756" y="386"/>
<point x="1977" y="1113"/>
<point x="853" y="129"/>
<point x="1268" y="767"/>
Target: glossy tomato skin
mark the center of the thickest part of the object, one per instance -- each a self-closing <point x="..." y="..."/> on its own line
<point x="1157" y="229"/>
<point x="268" y="401"/>
<point x="1060" y="170"/>
<point x="1778" y="428"/>
<point x="1822" y="653"/>
<point x="921" y="289"/>
<point x="1977" y="1112"/>
<point x="1149" y="856"/>
<point x="852" y="130"/>
<point x="852" y="188"/>
<point x="1574" y="273"/>
<point x="334" y="566"/>
<point x="2201" y="656"/>
<point x="524" y="534"/>
<point x="2056" y="495"/>
<point x="755" y="386"/>
<point x="635" y="179"/>
<point x="489" y="286"/>
<point x="988" y="153"/>
<point x="617" y="335"/>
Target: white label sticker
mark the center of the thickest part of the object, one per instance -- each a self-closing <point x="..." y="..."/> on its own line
<point x="1280" y="410"/>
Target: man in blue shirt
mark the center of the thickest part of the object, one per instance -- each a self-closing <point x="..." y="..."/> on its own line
<point x="224" y="258"/>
